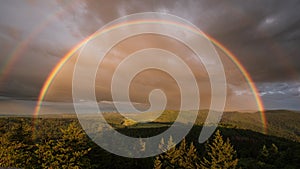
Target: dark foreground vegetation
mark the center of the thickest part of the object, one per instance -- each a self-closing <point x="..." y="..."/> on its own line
<point x="61" y="143"/>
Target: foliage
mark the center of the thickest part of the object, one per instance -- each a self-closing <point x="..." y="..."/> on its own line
<point x="220" y="154"/>
<point x="267" y="157"/>
<point x="68" y="152"/>
<point x="14" y="149"/>
<point x="177" y="157"/>
<point x="12" y="153"/>
<point x="21" y="142"/>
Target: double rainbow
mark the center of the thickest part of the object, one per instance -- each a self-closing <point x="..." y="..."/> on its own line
<point x="76" y="48"/>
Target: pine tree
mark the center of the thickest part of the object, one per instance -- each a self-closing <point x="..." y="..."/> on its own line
<point x="268" y="156"/>
<point x="264" y="153"/>
<point x="14" y="148"/>
<point x="219" y="154"/>
<point x="139" y="147"/>
<point x="70" y="151"/>
<point x="191" y="159"/>
<point x="181" y="157"/>
<point x="157" y="163"/>
<point x="10" y="152"/>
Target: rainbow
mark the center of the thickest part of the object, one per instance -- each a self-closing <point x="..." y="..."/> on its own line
<point x="21" y="47"/>
<point x="248" y="78"/>
<point x="76" y="48"/>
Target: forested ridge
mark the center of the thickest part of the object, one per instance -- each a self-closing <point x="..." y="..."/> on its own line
<point x="61" y="143"/>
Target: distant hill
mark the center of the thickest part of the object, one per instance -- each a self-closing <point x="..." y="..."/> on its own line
<point x="280" y="123"/>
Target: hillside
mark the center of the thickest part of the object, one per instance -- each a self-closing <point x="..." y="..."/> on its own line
<point x="20" y="141"/>
<point x="280" y="123"/>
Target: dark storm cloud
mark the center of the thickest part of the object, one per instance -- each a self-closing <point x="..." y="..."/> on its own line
<point x="19" y="89"/>
<point x="268" y="44"/>
<point x="264" y="35"/>
<point x="257" y="32"/>
<point x="41" y="36"/>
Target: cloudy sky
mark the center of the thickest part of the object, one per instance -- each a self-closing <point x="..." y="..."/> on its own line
<point x="263" y="35"/>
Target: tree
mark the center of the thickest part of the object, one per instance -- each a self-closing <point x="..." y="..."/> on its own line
<point x="219" y="154"/>
<point x="14" y="148"/>
<point x="70" y="151"/>
<point x="182" y="157"/>
<point x="157" y="163"/>
<point x="268" y="157"/>
<point x="10" y="153"/>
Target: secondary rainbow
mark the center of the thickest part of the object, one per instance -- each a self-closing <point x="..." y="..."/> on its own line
<point x="71" y="53"/>
<point x="23" y="45"/>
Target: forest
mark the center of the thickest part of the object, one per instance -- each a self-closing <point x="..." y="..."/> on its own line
<point x="60" y="142"/>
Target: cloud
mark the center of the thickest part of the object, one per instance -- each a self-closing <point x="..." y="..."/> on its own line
<point x="283" y="88"/>
<point x="263" y="35"/>
<point x="280" y="95"/>
<point x="254" y="33"/>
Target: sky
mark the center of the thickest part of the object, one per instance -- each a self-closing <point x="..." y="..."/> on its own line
<point x="263" y="35"/>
